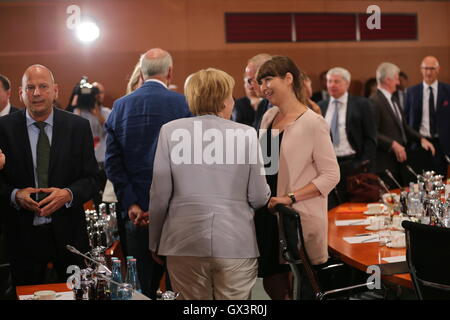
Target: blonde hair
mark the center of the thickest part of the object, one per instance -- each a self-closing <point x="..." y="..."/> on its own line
<point x="206" y="91"/>
<point x="133" y="83"/>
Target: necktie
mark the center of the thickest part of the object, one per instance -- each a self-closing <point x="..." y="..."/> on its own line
<point x="42" y="158"/>
<point x="335" y="124"/>
<point x="398" y="114"/>
<point x="432" y="113"/>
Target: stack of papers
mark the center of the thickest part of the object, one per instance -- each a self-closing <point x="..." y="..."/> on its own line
<point x="68" y="295"/>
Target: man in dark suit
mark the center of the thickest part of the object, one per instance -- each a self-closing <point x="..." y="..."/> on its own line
<point x="352" y="130"/>
<point x="394" y="134"/>
<point x="132" y="135"/>
<point x="5" y="94"/>
<point x="49" y="174"/>
<point x="427" y="110"/>
<point x="322" y="94"/>
<point x="250" y="73"/>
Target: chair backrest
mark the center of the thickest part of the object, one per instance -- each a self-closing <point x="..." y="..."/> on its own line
<point x="428" y="256"/>
<point x="293" y="249"/>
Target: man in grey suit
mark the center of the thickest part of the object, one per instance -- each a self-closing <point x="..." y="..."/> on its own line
<point x="394" y="134"/>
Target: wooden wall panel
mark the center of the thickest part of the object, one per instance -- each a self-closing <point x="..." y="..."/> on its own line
<point x="193" y="31"/>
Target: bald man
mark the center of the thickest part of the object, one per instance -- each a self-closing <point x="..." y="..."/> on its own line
<point x="50" y="173"/>
<point x="251" y="70"/>
<point x="132" y="135"/>
<point x="427" y="109"/>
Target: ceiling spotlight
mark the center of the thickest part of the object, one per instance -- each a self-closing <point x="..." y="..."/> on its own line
<point x="87" y="31"/>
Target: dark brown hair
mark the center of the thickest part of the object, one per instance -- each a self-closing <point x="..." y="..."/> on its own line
<point x="279" y="66"/>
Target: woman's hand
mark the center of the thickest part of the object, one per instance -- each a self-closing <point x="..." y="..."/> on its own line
<point x="276" y="200"/>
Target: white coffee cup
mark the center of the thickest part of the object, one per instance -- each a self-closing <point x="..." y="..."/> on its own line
<point x="398" y="240"/>
<point x="376" y="223"/>
<point x="45" y="295"/>
<point x="375" y="207"/>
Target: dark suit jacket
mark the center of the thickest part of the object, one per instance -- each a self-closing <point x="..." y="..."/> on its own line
<point x="13" y="109"/>
<point x="413" y="110"/>
<point x="132" y="136"/>
<point x="243" y="111"/>
<point x="360" y="128"/>
<point x="389" y="129"/>
<point x="72" y="165"/>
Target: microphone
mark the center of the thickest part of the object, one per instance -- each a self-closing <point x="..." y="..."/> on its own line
<point x="392" y="178"/>
<point x="75" y="251"/>
<point x="383" y="185"/>
<point x="411" y="170"/>
<point x="447" y="158"/>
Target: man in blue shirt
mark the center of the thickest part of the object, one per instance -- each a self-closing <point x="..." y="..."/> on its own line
<point x="132" y="135"/>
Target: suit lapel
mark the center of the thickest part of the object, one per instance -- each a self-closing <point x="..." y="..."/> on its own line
<point x="441" y="95"/>
<point x="386" y="103"/>
<point x="24" y="144"/>
<point x="348" y="117"/>
<point x="58" y="136"/>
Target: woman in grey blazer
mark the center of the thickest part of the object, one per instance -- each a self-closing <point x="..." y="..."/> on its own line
<point x="207" y="179"/>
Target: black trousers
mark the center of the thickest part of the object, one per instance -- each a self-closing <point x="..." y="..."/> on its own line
<point x="347" y="167"/>
<point x="422" y="160"/>
<point x="30" y="268"/>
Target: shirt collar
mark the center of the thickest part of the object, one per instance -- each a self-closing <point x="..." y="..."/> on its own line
<point x="158" y="81"/>
<point x="434" y="85"/>
<point x="342" y="99"/>
<point x="386" y="93"/>
<point x="48" y="121"/>
<point x="6" y="110"/>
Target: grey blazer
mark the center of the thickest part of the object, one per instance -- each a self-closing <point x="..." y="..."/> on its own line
<point x="201" y="209"/>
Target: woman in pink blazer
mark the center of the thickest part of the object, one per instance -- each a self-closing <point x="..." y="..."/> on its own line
<point x="308" y="169"/>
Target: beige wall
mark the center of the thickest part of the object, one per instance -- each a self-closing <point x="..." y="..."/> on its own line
<point x="193" y="31"/>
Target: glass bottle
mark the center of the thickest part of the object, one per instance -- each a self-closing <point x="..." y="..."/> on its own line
<point x="116" y="276"/>
<point x="132" y="276"/>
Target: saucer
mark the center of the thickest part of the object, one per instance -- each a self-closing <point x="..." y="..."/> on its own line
<point x="372" y="228"/>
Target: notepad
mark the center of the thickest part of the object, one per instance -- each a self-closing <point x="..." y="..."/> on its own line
<point x="394" y="259"/>
<point x="362" y="239"/>
<point x="352" y="222"/>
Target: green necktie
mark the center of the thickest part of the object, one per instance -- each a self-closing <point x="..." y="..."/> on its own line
<point x="42" y="158"/>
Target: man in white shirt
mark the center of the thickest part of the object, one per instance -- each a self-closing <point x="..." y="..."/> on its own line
<point x="427" y="110"/>
<point x="5" y="94"/>
<point x="352" y="130"/>
<point x="394" y="134"/>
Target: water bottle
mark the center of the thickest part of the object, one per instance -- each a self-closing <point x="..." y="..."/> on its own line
<point x="116" y="276"/>
<point x="132" y="276"/>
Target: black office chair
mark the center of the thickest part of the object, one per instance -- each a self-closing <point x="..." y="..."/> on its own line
<point x="294" y="252"/>
<point x="428" y="257"/>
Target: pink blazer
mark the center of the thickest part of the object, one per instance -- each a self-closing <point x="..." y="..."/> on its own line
<point x="307" y="155"/>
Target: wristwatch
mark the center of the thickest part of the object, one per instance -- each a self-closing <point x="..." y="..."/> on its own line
<point x="291" y="195"/>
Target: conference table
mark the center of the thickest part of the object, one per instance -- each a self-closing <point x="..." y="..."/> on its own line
<point x="360" y="255"/>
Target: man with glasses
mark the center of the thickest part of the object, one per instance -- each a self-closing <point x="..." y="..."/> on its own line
<point x="427" y="110"/>
<point x="250" y="73"/>
<point x="50" y="172"/>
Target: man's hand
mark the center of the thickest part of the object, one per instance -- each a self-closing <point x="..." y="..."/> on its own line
<point x="427" y="145"/>
<point x="24" y="200"/>
<point x="138" y="216"/>
<point x="55" y="200"/>
<point x="2" y="159"/>
<point x="97" y="112"/>
<point x="399" y="151"/>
